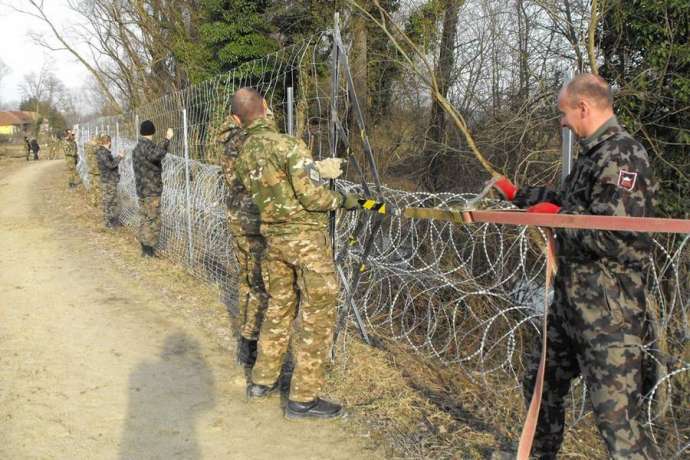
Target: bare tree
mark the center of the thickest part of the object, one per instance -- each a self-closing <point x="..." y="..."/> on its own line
<point x="36" y="9"/>
<point x="4" y="71"/>
<point x="443" y="69"/>
<point x="35" y="85"/>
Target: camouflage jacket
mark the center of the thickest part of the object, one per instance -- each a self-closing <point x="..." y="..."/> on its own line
<point x="279" y="172"/>
<point x="147" y="159"/>
<point x="108" y="165"/>
<point x="70" y="148"/>
<point x="611" y="176"/>
<point x="90" y="154"/>
<point x="243" y="214"/>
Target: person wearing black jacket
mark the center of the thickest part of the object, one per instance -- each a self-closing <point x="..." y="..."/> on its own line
<point x="35" y="148"/>
<point x="147" y="158"/>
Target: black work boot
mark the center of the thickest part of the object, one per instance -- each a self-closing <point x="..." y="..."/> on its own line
<point x="316" y="409"/>
<point x="246" y="352"/>
<point x="115" y="222"/>
<point x="257" y="392"/>
<point x="147" y="251"/>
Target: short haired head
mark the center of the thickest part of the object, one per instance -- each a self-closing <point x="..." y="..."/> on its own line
<point x="104" y="139"/>
<point x="248" y="105"/>
<point x="147" y="128"/>
<point x="591" y="87"/>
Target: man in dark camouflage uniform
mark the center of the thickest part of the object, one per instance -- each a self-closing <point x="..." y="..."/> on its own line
<point x="597" y="317"/>
<point x="147" y="158"/>
<point x="282" y="178"/>
<point x="249" y="246"/>
<point x="108" y="166"/>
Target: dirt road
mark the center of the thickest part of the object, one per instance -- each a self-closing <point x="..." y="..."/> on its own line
<point x="95" y="363"/>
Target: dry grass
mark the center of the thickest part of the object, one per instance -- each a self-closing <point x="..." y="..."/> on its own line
<point x="421" y="409"/>
<point x="10" y="151"/>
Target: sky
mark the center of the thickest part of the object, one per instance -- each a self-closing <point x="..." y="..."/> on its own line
<point x="23" y="56"/>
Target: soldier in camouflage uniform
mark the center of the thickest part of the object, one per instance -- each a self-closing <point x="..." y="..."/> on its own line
<point x="52" y="147"/>
<point x="249" y="246"/>
<point x="282" y="178"/>
<point x="597" y="317"/>
<point x="94" y="191"/>
<point x="108" y="166"/>
<point x="71" y="158"/>
<point x="147" y="159"/>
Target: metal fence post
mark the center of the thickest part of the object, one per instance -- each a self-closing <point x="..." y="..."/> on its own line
<point x="187" y="185"/>
<point x="290" y="104"/>
<point x="566" y="145"/>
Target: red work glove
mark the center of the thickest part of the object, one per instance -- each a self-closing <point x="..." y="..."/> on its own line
<point x="506" y="188"/>
<point x="545" y="208"/>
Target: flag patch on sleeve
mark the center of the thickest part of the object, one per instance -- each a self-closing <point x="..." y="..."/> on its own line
<point x="626" y="180"/>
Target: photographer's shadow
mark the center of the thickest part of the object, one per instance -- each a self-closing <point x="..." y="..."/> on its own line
<point x="166" y="396"/>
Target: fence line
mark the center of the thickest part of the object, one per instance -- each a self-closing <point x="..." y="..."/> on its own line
<point x="462" y="295"/>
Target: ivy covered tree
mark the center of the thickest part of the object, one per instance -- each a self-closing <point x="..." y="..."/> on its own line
<point x="46" y="112"/>
<point x="230" y="33"/>
<point x="647" y="55"/>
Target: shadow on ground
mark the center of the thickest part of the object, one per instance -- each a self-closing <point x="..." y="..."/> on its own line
<point x="166" y="397"/>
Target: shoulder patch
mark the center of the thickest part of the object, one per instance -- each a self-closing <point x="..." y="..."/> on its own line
<point x="314" y="175"/>
<point x="627" y="179"/>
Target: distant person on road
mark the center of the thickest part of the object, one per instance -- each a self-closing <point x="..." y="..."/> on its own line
<point x="71" y="158"/>
<point x="35" y="148"/>
<point x="108" y="166"/>
<point x="52" y="147"/>
<point x="147" y="158"/>
<point x="28" y="148"/>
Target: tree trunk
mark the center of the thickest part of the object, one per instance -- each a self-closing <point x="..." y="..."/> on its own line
<point x="360" y="78"/>
<point x="523" y="36"/>
<point x="437" y="123"/>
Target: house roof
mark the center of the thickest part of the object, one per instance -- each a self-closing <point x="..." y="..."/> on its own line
<point x="17" y="117"/>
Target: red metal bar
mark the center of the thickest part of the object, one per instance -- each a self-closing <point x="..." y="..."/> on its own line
<point x="630" y="224"/>
<point x="592" y="222"/>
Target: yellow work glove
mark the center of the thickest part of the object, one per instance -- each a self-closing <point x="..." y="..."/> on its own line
<point x="350" y="201"/>
<point x="329" y="168"/>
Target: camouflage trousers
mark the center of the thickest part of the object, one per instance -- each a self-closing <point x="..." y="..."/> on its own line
<point x="296" y="267"/>
<point x="111" y="207"/>
<point x="595" y="330"/>
<point x="94" y="192"/>
<point x="150" y="220"/>
<point x="72" y="174"/>
<point x="253" y="299"/>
